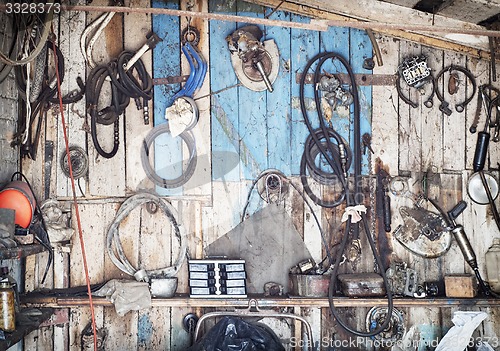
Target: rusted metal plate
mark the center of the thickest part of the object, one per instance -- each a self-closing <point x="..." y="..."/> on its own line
<point x="309" y="285"/>
<point x="170" y="80"/>
<point x="361" y="79"/>
<point x="60" y="316"/>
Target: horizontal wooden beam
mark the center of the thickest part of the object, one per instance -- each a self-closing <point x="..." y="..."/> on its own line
<point x="401" y="17"/>
<point x="313" y="25"/>
<point x="409" y="36"/>
<point x="267" y="302"/>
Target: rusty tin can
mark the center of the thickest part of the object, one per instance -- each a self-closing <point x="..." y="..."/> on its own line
<point x="7" y="307"/>
<point x="309" y="285"/>
<point x="362" y="284"/>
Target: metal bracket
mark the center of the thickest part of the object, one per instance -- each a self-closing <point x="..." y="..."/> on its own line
<point x="253" y="310"/>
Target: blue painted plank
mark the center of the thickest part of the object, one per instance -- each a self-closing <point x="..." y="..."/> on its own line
<point x="224" y="110"/>
<point x="336" y="40"/>
<point x="166" y="62"/>
<point x="304" y="46"/>
<point x="252" y="114"/>
<point x="279" y="111"/>
<point x="361" y="48"/>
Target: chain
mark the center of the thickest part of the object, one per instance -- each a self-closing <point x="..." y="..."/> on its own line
<point x="189" y="7"/>
<point x="372" y="181"/>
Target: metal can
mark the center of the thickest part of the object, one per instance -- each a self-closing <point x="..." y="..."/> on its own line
<point x="7" y="307"/>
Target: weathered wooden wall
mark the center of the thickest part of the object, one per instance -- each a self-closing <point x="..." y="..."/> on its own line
<point x="240" y="134"/>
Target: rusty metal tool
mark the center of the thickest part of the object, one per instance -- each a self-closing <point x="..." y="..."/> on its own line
<point x="464" y="243"/>
<point x="151" y="40"/>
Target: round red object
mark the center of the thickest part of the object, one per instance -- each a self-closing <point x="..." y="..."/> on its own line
<point x="18" y="196"/>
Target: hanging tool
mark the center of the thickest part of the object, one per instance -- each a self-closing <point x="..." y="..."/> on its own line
<point x="183" y="113"/>
<point x="86" y="47"/>
<point x="255" y="63"/>
<point x="460" y="107"/>
<point x="464" y="243"/>
<point x="416" y="74"/>
<point x="198" y="67"/>
<point x="424" y="232"/>
<point x="383" y="199"/>
<point x="151" y="40"/>
<point x="483" y="139"/>
<point x="336" y="156"/>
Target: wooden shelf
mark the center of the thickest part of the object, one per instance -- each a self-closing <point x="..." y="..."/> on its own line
<point x="20" y="251"/>
<point x="185" y="301"/>
<point x="27" y="320"/>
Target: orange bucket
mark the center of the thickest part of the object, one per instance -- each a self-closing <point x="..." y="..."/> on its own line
<point x="18" y="196"/>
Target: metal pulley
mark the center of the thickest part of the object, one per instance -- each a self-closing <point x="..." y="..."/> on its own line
<point x="272" y="186"/>
<point x="255" y="63"/>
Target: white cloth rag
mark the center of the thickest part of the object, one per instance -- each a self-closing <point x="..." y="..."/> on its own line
<point x="126" y="295"/>
<point x="458" y="337"/>
<point x="179" y="116"/>
<point x="354" y="212"/>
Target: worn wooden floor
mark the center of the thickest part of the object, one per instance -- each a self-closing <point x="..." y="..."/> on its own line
<point x="240" y="134"/>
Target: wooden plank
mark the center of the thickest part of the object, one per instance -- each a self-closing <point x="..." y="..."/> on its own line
<point x="121" y="330"/>
<point x="136" y="26"/>
<point x="252" y="124"/>
<point x="423" y="327"/>
<point x="361" y="49"/>
<point x="477" y="221"/>
<point x="95" y="219"/>
<point x="182" y="300"/>
<point x="224" y="216"/>
<point x="334" y="41"/>
<point x="297" y="204"/>
<point x="200" y="183"/>
<point x="481" y="71"/>
<point x="410" y="133"/>
<point x="70" y="22"/>
<point x="168" y="151"/>
<point x="385" y="109"/>
<point x="304" y="46"/>
<point x="472" y="11"/>
<point x="154" y="329"/>
<point x="79" y="319"/>
<point x="454" y="126"/>
<point x="156" y="240"/>
<point x="433" y="121"/>
<point x="155" y="251"/>
<point x="225" y="139"/>
<point x="405" y="3"/>
<point x="312" y="235"/>
<point x="107" y="47"/>
<point x="388" y="13"/>
<point x="278" y="102"/>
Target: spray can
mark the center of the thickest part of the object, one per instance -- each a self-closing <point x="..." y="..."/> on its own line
<point x="6" y="277"/>
<point x="7" y="307"/>
<point x="493" y="265"/>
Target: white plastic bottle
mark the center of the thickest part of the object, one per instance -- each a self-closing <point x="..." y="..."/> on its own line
<point x="493" y="265"/>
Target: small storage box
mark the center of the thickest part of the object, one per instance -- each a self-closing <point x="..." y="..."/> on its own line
<point x="460" y="285"/>
<point x="361" y="284"/>
<point x="217" y="278"/>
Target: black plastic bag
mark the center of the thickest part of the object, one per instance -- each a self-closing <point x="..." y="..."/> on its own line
<point x="235" y="334"/>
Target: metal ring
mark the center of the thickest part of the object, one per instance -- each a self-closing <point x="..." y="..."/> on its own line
<point x="460" y="106"/>
<point x="79" y="162"/>
<point x="188" y="138"/>
<point x="189" y="32"/>
<point x="393" y="186"/>
<point x="400" y="92"/>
